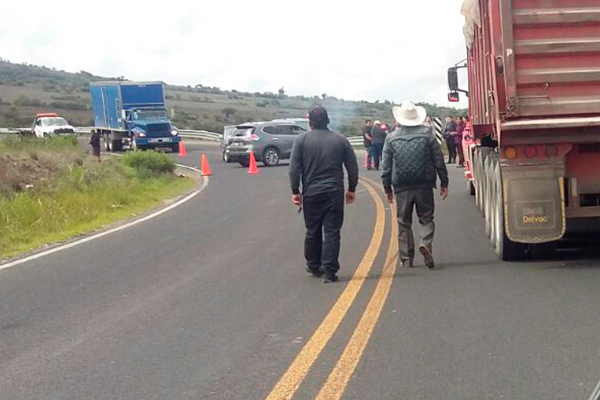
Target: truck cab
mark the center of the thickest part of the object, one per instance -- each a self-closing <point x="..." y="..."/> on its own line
<point x="150" y="127"/>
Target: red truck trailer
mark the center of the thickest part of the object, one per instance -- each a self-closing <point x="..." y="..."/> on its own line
<point x="533" y="144"/>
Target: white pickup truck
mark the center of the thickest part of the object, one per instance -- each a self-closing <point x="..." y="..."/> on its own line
<point x="50" y="124"/>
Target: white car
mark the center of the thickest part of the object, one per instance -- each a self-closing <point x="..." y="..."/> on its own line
<point x="49" y="124"/>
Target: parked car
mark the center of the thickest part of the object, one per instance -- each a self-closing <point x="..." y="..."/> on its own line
<point x="50" y="124"/>
<point x="227" y="132"/>
<point x="270" y="142"/>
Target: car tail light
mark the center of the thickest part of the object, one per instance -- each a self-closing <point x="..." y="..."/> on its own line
<point x="254" y="137"/>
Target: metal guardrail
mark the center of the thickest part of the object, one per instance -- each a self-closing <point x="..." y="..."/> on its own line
<point x="202" y="135"/>
<point x="355" y="141"/>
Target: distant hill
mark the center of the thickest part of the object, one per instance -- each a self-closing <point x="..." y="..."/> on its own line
<point x="28" y="89"/>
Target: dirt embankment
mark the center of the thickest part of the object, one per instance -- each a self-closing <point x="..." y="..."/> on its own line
<point x="22" y="171"/>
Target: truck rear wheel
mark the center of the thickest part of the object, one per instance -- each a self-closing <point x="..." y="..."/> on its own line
<point x="506" y="249"/>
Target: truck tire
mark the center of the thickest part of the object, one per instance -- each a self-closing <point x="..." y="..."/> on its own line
<point x="487" y="197"/>
<point x="506" y="249"/>
<point x="477" y="178"/>
<point x="470" y="188"/>
<point x="117" y="145"/>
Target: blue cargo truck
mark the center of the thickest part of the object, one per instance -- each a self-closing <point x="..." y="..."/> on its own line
<point x="133" y="114"/>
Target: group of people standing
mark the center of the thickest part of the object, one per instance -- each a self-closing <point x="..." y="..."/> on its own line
<point x="453" y="135"/>
<point x="374" y="134"/>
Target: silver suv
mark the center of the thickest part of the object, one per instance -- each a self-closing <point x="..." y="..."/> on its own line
<point x="270" y="142"/>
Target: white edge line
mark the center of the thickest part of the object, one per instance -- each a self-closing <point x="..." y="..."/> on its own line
<point x="116" y="229"/>
<point x="596" y="393"/>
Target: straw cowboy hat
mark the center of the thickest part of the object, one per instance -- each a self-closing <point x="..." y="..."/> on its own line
<point x="409" y="114"/>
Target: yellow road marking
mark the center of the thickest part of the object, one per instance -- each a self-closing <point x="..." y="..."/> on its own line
<point x="293" y="377"/>
<point x="340" y="376"/>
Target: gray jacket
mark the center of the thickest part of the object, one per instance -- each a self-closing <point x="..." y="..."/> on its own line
<point x="434" y="164"/>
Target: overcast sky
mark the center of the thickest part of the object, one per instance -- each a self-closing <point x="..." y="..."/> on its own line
<point x="370" y="50"/>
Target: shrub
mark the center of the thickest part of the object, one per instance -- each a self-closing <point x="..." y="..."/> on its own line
<point x="149" y="162"/>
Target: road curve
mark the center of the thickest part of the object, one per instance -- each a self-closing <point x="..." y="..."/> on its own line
<point x="210" y="301"/>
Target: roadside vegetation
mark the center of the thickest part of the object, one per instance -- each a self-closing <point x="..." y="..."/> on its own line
<point x="50" y="190"/>
<point x="29" y="89"/>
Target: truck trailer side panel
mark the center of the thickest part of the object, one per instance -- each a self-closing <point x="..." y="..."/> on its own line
<point x="142" y="95"/>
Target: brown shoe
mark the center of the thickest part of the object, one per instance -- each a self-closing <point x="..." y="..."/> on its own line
<point x="426" y="251"/>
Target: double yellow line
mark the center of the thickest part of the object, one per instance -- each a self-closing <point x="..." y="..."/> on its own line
<point x="338" y="379"/>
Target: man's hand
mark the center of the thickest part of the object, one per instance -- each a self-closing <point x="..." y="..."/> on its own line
<point x="390" y="198"/>
<point x="350" y="197"/>
<point x="444" y="193"/>
<point x="297" y="200"/>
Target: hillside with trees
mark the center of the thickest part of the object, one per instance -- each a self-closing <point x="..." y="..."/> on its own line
<point x="28" y="89"/>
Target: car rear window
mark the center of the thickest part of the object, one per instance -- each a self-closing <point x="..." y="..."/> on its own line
<point x="243" y="131"/>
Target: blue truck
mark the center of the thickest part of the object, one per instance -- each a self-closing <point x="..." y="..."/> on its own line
<point x="134" y="115"/>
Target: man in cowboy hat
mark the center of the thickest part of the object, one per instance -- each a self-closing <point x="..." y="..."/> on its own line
<point x="412" y="160"/>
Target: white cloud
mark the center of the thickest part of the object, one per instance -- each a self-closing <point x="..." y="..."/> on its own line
<point x="361" y="50"/>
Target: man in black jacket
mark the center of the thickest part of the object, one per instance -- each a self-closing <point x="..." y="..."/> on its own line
<point x="449" y="133"/>
<point x="412" y="161"/>
<point x="378" y="139"/>
<point x="317" y="161"/>
<point x="368" y="141"/>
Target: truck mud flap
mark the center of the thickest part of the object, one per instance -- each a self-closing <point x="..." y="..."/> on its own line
<point x="534" y="209"/>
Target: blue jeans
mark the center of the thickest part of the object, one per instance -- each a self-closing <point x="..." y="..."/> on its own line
<point x="377" y="154"/>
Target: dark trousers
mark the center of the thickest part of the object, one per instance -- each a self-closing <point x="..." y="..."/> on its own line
<point x="323" y="217"/>
<point x="406" y="202"/>
<point x="461" y="154"/>
<point x="451" y="149"/>
<point x="377" y="154"/>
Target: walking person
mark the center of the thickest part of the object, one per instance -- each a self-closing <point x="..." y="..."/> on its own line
<point x="458" y="138"/>
<point x="318" y="160"/>
<point x="449" y="137"/>
<point x="95" y="143"/>
<point x="378" y="139"/>
<point x="412" y="161"/>
<point x="368" y="143"/>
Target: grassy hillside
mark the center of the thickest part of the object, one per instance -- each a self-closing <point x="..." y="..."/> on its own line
<point x="50" y="190"/>
<point x="26" y="90"/>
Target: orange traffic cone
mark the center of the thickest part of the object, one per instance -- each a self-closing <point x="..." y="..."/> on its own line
<point x="252" y="169"/>
<point x="182" y="152"/>
<point x="205" y="167"/>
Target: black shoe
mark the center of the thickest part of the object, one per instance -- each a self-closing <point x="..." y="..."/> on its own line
<point x="330" y="278"/>
<point x="407" y="264"/>
<point x="426" y="251"/>
<point x="317" y="273"/>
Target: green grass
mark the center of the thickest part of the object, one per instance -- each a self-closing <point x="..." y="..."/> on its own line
<point x="83" y="198"/>
<point x="30" y="144"/>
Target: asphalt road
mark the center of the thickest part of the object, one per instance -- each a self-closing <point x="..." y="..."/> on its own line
<point x="211" y="301"/>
